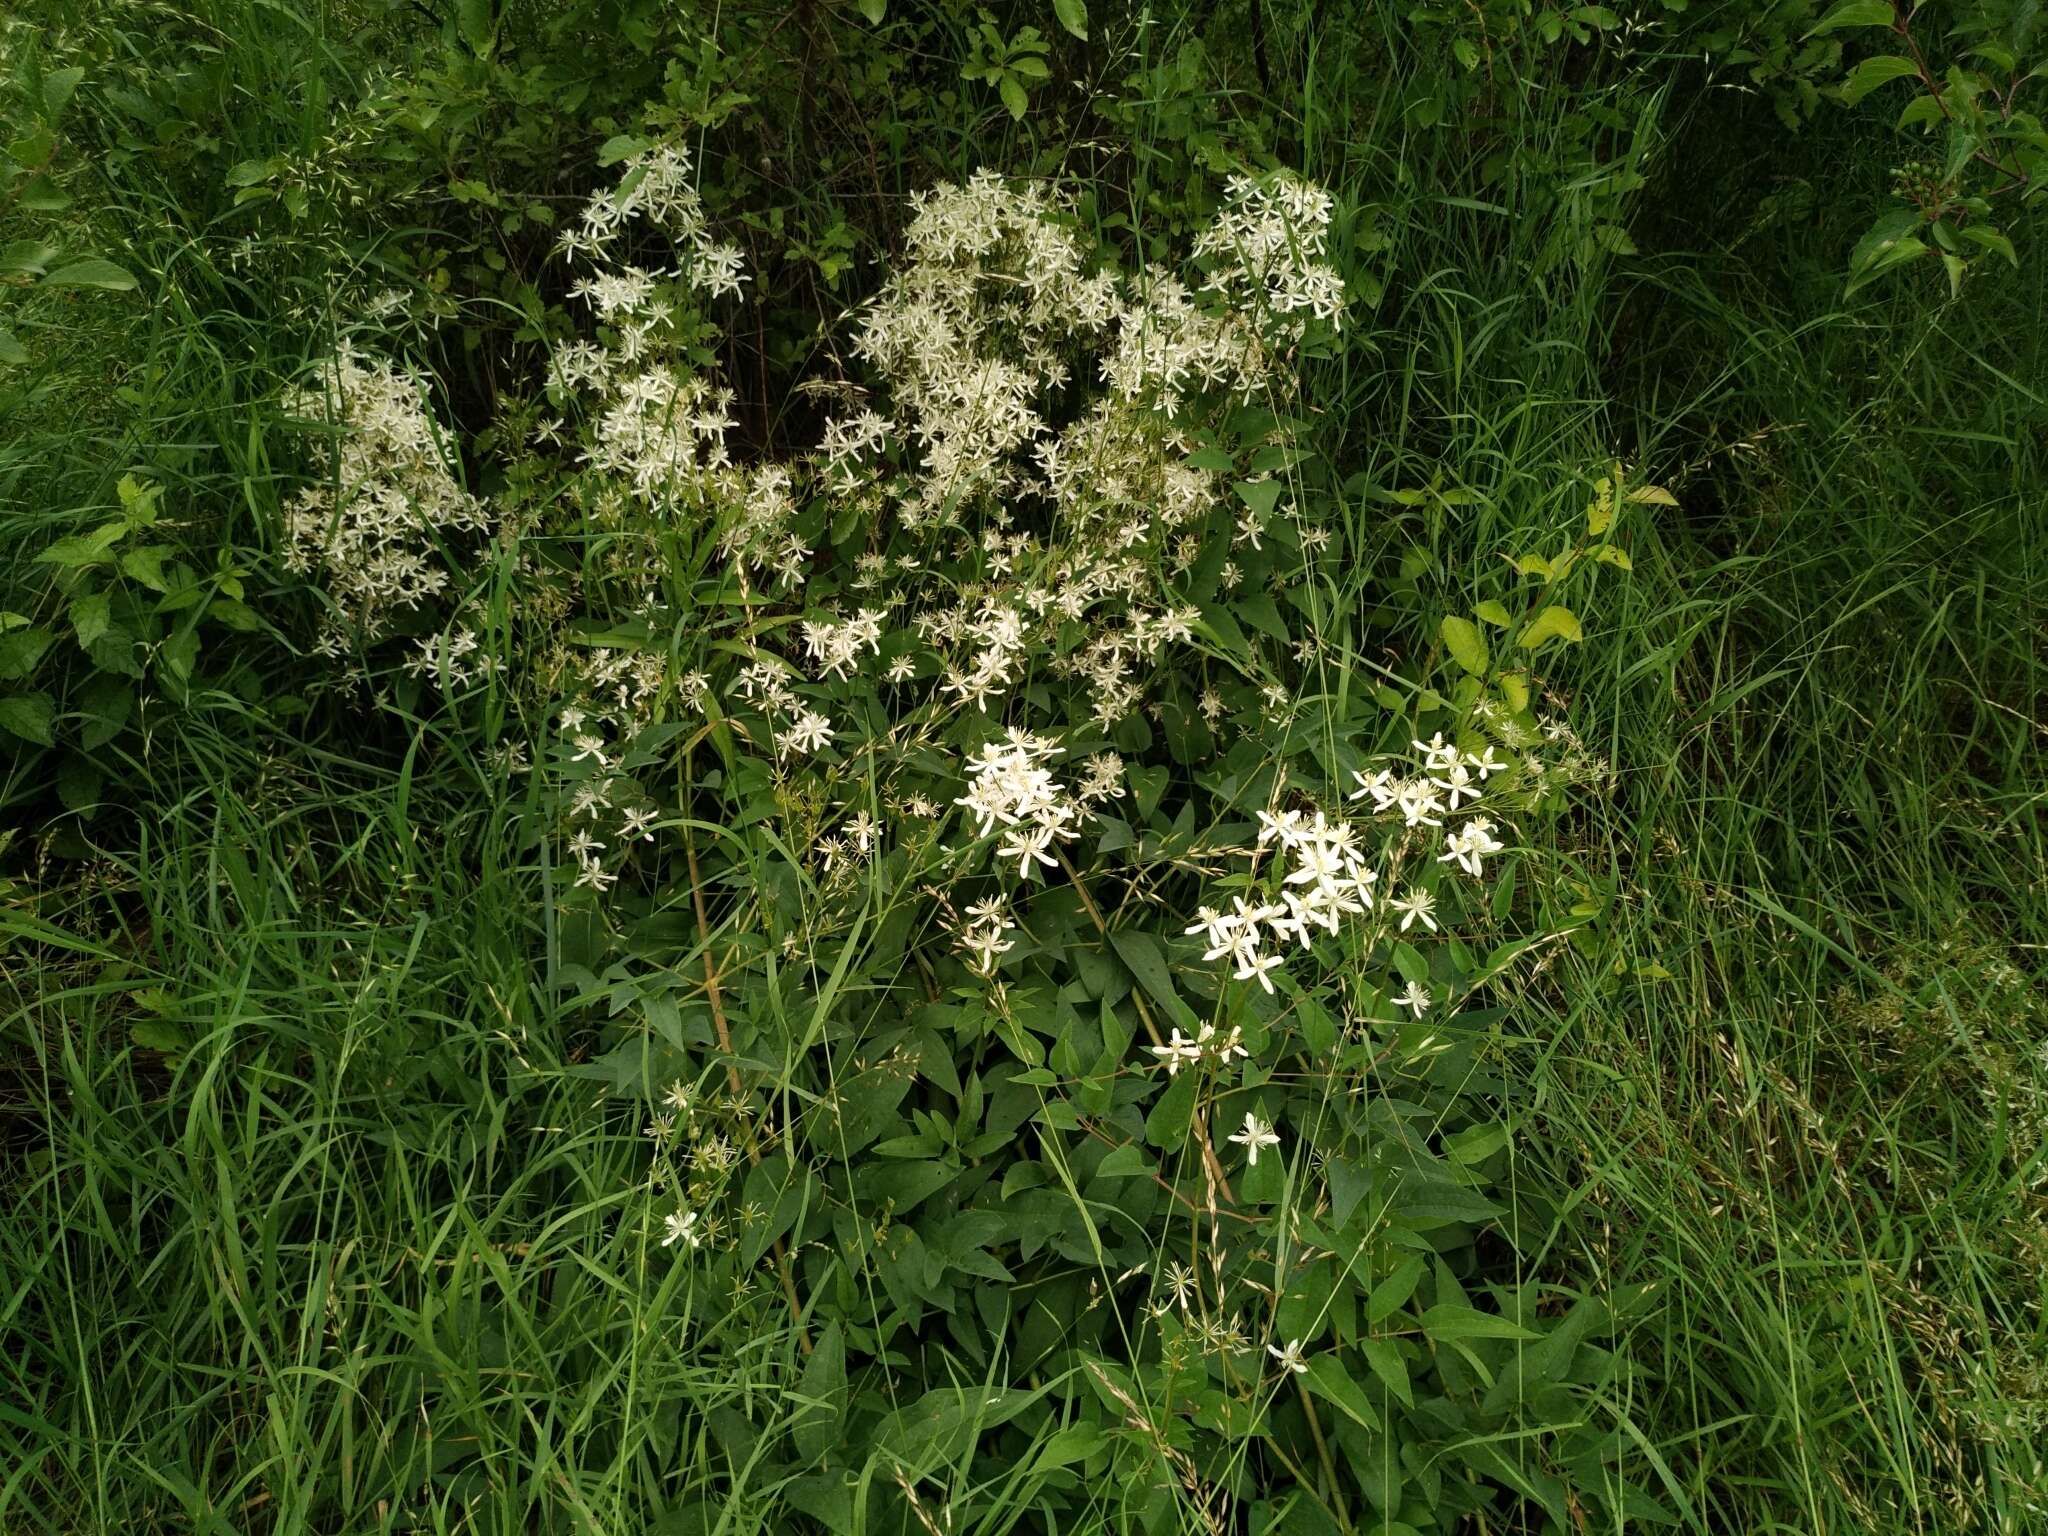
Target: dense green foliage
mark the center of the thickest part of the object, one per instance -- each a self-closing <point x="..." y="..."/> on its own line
<point x="556" y="1056"/>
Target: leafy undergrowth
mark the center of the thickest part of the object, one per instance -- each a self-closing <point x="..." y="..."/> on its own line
<point x="890" y="768"/>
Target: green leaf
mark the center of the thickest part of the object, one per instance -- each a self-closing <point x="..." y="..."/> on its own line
<point x="26" y="258"/>
<point x="1467" y="645"/>
<point x="824" y="1383"/>
<point x="1991" y="240"/>
<point x="84" y="549"/>
<point x="79" y="782"/>
<point x="1389" y="1366"/>
<point x="12" y="353"/>
<point x="91" y="613"/>
<point x="1608" y="554"/>
<point x="1125" y="1162"/>
<point x="1871" y="73"/>
<point x="1449" y="1320"/>
<point x="1552" y="623"/>
<point x="29" y="716"/>
<point x="1166" y="1124"/>
<point x="1391" y="1293"/>
<point x="43" y="195"/>
<point x="58" y="86"/>
<point x="1855" y="13"/>
<point x="106" y="703"/>
<point x="1494" y="613"/>
<point x="1012" y="92"/>
<point x="1260" y="495"/>
<point x="21" y="649"/>
<point x="1147" y="961"/>
<point x="181" y="652"/>
<point x="145" y="564"/>
<point x="93" y="272"/>
<point x="1888" y="243"/>
<point x="1073" y="15"/>
<point x="1326" y="1378"/>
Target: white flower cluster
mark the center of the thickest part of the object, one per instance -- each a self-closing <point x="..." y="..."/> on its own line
<point x="372" y="534"/>
<point x="1268" y="245"/>
<point x="1209" y="1044"/>
<point x="659" y="426"/>
<point x="1009" y="786"/>
<point x="1328" y="881"/>
<point x="1328" y="876"/>
<point x="984" y="938"/>
<point x="659" y="186"/>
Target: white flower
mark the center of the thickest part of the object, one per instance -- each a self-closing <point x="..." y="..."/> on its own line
<point x="1290" y="1358"/>
<point x="1437" y="754"/>
<point x="1456" y="782"/>
<point x="635" y="823"/>
<point x="1468" y="844"/>
<point x="682" y="1227"/>
<point x="1416" y="999"/>
<point x="594" y="875"/>
<point x="1419" y="803"/>
<point x="1255" y="967"/>
<point x="1485" y="764"/>
<point x="1416" y="906"/>
<point x="1026" y="844"/>
<point x="1178" y="1052"/>
<point x="809" y="732"/>
<point x="1379" y="785"/>
<point x="1256" y="1136"/>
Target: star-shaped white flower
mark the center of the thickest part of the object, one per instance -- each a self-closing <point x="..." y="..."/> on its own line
<point x="682" y="1227"/>
<point x="1255" y="1138"/>
<point x="1416" y="906"/>
<point x="1290" y="1358"/>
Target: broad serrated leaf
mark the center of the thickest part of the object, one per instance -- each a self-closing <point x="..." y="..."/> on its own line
<point x="91" y="613"/>
<point x="145" y="564"/>
<point x="30" y="716"/>
<point x="21" y="649"/>
<point x="58" y="86"/>
<point x="84" y="549"/>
